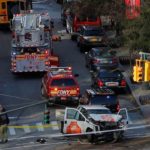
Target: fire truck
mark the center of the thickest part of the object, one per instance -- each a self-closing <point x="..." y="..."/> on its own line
<point x="32" y="47"/>
<point x="73" y="24"/>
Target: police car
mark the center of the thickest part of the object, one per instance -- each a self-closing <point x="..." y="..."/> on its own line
<point x="97" y="119"/>
<point x="60" y="86"/>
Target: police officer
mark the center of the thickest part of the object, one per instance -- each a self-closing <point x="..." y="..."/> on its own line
<point x="4" y="121"/>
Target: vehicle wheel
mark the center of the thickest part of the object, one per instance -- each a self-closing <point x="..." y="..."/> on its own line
<point x="117" y="136"/>
<point x="82" y="48"/>
<point x="90" y="137"/>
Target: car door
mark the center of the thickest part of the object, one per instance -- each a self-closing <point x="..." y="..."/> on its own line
<point x="73" y="121"/>
<point x="125" y="117"/>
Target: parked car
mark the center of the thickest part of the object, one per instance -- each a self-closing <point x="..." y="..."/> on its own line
<point x="91" y="36"/>
<point x="113" y="79"/>
<point x="101" y="58"/>
<point x="60" y="86"/>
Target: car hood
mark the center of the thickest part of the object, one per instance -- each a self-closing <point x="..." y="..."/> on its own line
<point x="106" y="117"/>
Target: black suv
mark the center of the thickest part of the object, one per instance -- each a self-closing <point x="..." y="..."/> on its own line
<point x="91" y="36"/>
<point x="105" y="97"/>
<point x="112" y="79"/>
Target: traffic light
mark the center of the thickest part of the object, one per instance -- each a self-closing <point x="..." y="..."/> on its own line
<point x="46" y="115"/>
<point x="147" y="71"/>
<point x="135" y="73"/>
<point x="138" y="71"/>
<point x="139" y="74"/>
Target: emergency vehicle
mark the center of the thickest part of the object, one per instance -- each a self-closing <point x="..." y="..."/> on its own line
<point x="96" y="118"/>
<point x="32" y="48"/>
<point x="73" y="24"/>
<point x="60" y="86"/>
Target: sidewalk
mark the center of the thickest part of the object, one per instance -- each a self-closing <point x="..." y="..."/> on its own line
<point x="137" y="91"/>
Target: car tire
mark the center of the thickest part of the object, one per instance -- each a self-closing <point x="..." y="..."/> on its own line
<point x="90" y="137"/>
<point x="73" y="38"/>
<point x="117" y="136"/>
<point x="82" y="48"/>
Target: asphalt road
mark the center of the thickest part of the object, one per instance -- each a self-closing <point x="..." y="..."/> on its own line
<point x="18" y="91"/>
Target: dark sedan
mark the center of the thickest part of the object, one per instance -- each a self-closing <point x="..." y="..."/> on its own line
<point x="101" y="58"/>
<point x="109" y="78"/>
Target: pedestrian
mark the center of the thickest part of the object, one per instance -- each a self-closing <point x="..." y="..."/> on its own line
<point x="4" y="121"/>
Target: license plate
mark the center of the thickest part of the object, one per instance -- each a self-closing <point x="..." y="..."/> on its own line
<point x="112" y="83"/>
<point x="93" y="40"/>
<point x="64" y="92"/>
<point x="63" y="98"/>
<point x="105" y="61"/>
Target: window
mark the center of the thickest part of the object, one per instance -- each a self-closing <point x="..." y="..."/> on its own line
<point x="84" y="112"/>
<point x="94" y="32"/>
<point x="63" y="82"/>
<point x="103" y="100"/>
<point x="3" y="5"/>
<point x="110" y="74"/>
<point x="99" y="111"/>
<point x="71" y="113"/>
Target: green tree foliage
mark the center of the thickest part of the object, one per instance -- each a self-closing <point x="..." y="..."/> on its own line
<point x="139" y="31"/>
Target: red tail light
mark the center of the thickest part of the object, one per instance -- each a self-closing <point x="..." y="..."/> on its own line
<point x="78" y="90"/>
<point x="100" y="83"/>
<point x="118" y="107"/>
<point x="114" y="61"/>
<point x="95" y="61"/>
<point x="81" y="39"/>
<point x="123" y="83"/>
<point x="46" y="52"/>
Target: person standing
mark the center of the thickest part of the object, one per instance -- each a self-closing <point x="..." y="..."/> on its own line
<point x="4" y="121"/>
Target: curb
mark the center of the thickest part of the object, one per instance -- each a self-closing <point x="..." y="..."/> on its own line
<point x="38" y="1"/>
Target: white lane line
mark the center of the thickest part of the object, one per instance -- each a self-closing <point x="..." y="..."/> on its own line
<point x="40" y="126"/>
<point x="27" y="128"/>
<point x="54" y="125"/>
<point x="12" y="131"/>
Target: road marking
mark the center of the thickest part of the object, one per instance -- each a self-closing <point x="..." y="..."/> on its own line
<point x="54" y="125"/>
<point x="40" y="126"/>
<point x="34" y="145"/>
<point x="27" y="129"/>
<point x="33" y="126"/>
<point x="12" y="131"/>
